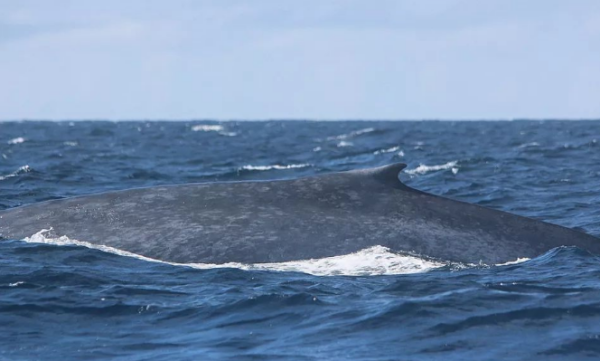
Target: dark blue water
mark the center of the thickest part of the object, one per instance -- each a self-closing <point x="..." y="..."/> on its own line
<point x="75" y="303"/>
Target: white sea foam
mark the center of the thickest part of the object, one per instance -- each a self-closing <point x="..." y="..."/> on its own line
<point x="344" y="143"/>
<point x="71" y="144"/>
<point x="422" y="169"/>
<point x="213" y="128"/>
<point x="518" y="260"/>
<point x="274" y="166"/>
<point x="18" y="140"/>
<point x="375" y="260"/>
<point x="529" y="145"/>
<point x="390" y="150"/>
<point x="207" y="128"/>
<point x="40" y="237"/>
<point x="351" y="134"/>
<point x="21" y="170"/>
<point x="372" y="261"/>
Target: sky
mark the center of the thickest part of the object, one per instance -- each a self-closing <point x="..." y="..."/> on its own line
<point x="304" y="59"/>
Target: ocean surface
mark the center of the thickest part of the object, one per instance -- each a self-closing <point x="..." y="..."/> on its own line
<point x="61" y="300"/>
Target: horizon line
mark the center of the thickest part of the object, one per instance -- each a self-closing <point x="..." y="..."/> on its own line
<point x="295" y="120"/>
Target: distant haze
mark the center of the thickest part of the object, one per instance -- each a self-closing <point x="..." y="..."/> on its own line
<point x="308" y="59"/>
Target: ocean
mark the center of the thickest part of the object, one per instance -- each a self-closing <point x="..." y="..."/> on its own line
<point x="61" y="300"/>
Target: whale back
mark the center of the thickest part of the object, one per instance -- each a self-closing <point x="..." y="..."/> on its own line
<point x="283" y="220"/>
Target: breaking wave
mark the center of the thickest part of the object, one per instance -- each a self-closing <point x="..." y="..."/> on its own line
<point x="17" y="140"/>
<point x="213" y="128"/>
<point x="351" y="134"/>
<point x="207" y="128"/>
<point x="423" y="169"/>
<point x="344" y="143"/>
<point x="21" y="170"/>
<point x="274" y="166"/>
<point x="396" y="149"/>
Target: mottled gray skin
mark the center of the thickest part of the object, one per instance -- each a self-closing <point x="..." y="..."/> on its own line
<point x="275" y="221"/>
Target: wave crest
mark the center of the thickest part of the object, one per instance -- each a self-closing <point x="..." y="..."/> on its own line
<point x="213" y="128"/>
<point x="423" y="169"/>
<point x="274" y="166"/>
<point x="21" y="170"/>
<point x="351" y="134"/>
<point x="17" y="140"/>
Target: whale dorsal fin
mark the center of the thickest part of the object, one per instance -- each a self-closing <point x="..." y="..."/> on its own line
<point x="389" y="174"/>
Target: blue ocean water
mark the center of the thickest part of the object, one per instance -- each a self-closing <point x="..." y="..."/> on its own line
<point x="75" y="303"/>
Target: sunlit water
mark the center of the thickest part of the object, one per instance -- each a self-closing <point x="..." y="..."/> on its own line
<point x="65" y="299"/>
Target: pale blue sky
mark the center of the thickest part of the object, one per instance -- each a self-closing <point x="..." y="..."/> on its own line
<point x="307" y="59"/>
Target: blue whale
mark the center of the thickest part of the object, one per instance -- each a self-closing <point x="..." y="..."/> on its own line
<point x="283" y="220"/>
